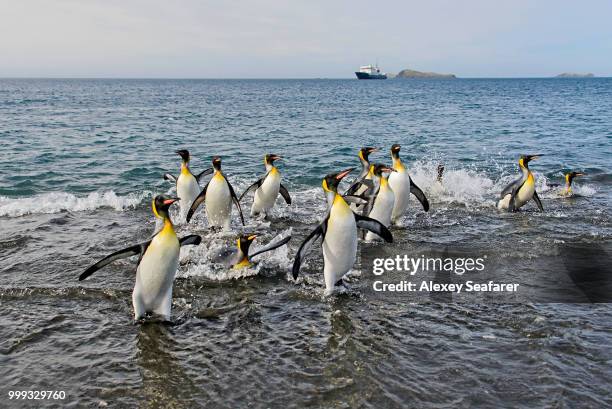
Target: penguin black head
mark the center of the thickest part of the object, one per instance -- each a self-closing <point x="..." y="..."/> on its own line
<point x="270" y="158"/>
<point x="161" y="204"/>
<point x="244" y="242"/>
<point x="184" y="154"/>
<point x="525" y="159"/>
<point x="395" y="149"/>
<point x="364" y="153"/>
<point x="331" y="181"/>
<point x="216" y="163"/>
<point x="378" y="169"/>
<point x="569" y="177"/>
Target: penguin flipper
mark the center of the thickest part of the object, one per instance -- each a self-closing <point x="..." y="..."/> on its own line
<point x="368" y="183"/>
<point x="285" y="194"/>
<point x="305" y="246"/>
<point x="374" y="226"/>
<point x="511" y="202"/>
<point x="271" y="246"/>
<point x="196" y="203"/>
<point x="169" y="177"/>
<point x="235" y="199"/>
<point x="206" y="172"/>
<point x="358" y="200"/>
<point x="418" y="193"/>
<point x="508" y="189"/>
<point x="536" y="199"/>
<point x="124" y="253"/>
<point x="192" y="239"/>
<point x="254" y="186"/>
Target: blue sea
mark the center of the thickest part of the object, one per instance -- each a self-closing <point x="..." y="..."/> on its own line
<point x="83" y="158"/>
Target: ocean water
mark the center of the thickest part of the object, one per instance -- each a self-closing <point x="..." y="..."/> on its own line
<point x="81" y="160"/>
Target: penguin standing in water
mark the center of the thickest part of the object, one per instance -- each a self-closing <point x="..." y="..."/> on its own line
<point x="402" y="185"/>
<point x="516" y="194"/>
<point x="569" y="178"/>
<point x="239" y="257"/>
<point x="267" y="188"/>
<point x="219" y="195"/>
<point x="363" y="181"/>
<point x="159" y="258"/>
<point x="339" y="235"/>
<point x="380" y="206"/>
<point x="187" y="184"/>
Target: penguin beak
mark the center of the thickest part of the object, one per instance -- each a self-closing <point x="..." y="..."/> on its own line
<point x="343" y="174"/>
<point x="370" y="150"/>
<point x="252" y="237"/>
<point x="534" y="157"/>
<point x="580" y="174"/>
<point x="386" y="169"/>
<point x="168" y="202"/>
<point x="275" y="157"/>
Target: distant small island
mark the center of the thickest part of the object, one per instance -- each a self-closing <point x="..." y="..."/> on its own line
<point x="407" y="73"/>
<point x="574" y="75"/>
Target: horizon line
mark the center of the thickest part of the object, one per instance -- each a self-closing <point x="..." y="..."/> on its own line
<point x="275" y="78"/>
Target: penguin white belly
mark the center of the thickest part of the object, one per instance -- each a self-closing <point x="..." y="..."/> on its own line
<point x="382" y="209"/>
<point x="525" y="193"/>
<point x="187" y="189"/>
<point x="504" y="203"/>
<point x="218" y="203"/>
<point x="155" y="276"/>
<point x="340" y="244"/>
<point x="400" y="184"/>
<point x="266" y="194"/>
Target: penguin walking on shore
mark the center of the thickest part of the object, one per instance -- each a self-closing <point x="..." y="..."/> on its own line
<point x="239" y="256"/>
<point x="267" y="188"/>
<point x="518" y="193"/>
<point x="218" y="195"/>
<point x="339" y="235"/>
<point x="157" y="265"/>
<point x="380" y="205"/>
<point x="402" y="185"/>
<point x="187" y="184"/>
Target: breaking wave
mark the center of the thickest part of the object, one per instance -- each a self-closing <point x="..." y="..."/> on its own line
<point x="56" y="202"/>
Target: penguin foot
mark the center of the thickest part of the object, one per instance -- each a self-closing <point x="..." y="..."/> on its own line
<point x="153" y="318"/>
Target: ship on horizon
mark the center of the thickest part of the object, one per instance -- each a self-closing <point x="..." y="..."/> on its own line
<point x="370" y="72"/>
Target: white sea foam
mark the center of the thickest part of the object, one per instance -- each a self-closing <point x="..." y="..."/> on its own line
<point x="198" y="259"/>
<point x="463" y="186"/>
<point x="55" y="202"/>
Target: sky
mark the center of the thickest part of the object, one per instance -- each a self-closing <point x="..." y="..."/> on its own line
<point x="302" y="39"/>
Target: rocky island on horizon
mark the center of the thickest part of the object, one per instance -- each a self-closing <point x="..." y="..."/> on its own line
<point x="574" y="75"/>
<point x="408" y="73"/>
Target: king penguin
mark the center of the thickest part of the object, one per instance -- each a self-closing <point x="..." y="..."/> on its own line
<point x="239" y="257"/>
<point x="267" y="188"/>
<point x="187" y="184"/>
<point x="516" y="194"/>
<point x="157" y="265"/>
<point x="381" y="203"/>
<point x="569" y="178"/>
<point x="219" y="195"/>
<point x="403" y="186"/>
<point x="339" y="235"/>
